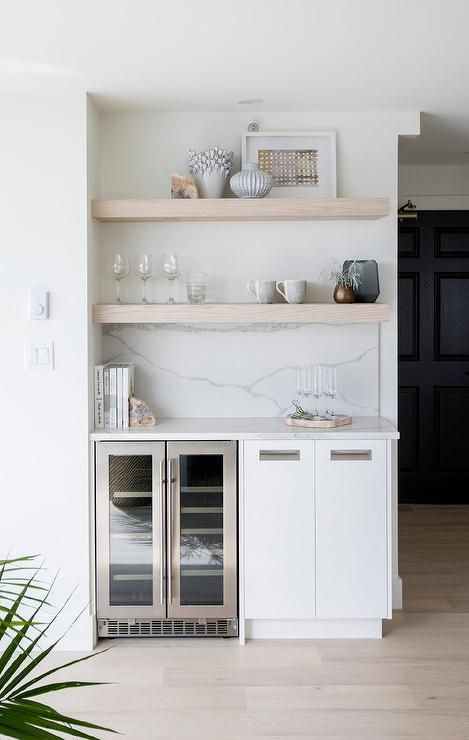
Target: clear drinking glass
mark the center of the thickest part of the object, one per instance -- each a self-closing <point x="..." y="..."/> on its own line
<point x="170" y="270"/>
<point x="197" y="287"/>
<point x="119" y="270"/>
<point x="143" y="269"/>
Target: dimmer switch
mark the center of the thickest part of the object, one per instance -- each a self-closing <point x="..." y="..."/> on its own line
<point x="39" y="304"/>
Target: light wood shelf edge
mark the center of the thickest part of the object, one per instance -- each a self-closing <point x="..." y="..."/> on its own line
<point x="238" y="209"/>
<point x="241" y="313"/>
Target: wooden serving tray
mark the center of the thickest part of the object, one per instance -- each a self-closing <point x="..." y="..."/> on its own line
<point x="338" y="421"/>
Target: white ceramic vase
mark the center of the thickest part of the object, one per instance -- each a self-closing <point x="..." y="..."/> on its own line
<point x="251" y="182"/>
<point x="210" y="184"/>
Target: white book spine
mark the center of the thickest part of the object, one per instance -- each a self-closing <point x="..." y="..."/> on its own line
<point x="106" y="392"/>
<point x="119" y="396"/>
<point x="112" y="398"/>
<point x="128" y="390"/>
<point x="99" y="396"/>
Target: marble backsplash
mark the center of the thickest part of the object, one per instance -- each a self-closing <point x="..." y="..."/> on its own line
<point x="249" y="370"/>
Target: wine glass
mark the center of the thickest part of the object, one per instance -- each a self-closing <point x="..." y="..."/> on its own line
<point x="299" y="381"/>
<point x="318" y="387"/>
<point x="303" y="380"/>
<point x="331" y="386"/>
<point x="170" y="270"/>
<point x="143" y="269"/>
<point x="119" y="271"/>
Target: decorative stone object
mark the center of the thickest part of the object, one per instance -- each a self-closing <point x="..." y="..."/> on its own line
<point x="140" y="413"/>
<point x="183" y="186"/>
<point x="251" y="182"/>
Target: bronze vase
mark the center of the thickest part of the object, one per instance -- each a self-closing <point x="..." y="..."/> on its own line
<point x="343" y="294"/>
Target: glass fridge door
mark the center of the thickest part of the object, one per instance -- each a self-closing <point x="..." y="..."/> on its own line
<point x="130" y="529"/>
<point x="202" y="529"/>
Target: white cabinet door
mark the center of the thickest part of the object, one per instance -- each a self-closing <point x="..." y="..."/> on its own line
<point x="351" y="530"/>
<point x="279" y="530"/>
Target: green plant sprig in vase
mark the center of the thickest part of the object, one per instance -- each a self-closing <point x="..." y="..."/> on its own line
<point x="346" y="280"/>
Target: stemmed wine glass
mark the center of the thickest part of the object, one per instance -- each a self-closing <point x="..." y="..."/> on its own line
<point x="331" y="386"/>
<point x="119" y="271"/>
<point x="143" y="269"/>
<point x="170" y="270"/>
<point x="303" y="380"/>
<point x="318" y="387"/>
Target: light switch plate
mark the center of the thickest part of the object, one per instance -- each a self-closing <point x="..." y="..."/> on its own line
<point x="39" y="355"/>
<point x="39" y="304"/>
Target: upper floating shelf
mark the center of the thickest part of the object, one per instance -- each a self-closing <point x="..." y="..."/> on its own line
<point x="237" y="209"/>
<point x="240" y="313"/>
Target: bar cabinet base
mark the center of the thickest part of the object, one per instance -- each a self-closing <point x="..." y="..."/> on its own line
<point x="167" y="627"/>
<point x="313" y="629"/>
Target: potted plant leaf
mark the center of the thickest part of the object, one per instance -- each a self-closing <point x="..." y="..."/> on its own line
<point x="346" y="280"/>
<point x="22" y="630"/>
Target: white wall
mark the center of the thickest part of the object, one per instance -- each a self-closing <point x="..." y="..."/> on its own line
<point x="44" y="450"/>
<point x="138" y="153"/>
<point x="435" y="187"/>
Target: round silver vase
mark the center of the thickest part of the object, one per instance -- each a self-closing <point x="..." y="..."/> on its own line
<point x="251" y="182"/>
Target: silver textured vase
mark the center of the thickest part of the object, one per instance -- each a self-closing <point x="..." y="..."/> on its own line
<point x="251" y="182"/>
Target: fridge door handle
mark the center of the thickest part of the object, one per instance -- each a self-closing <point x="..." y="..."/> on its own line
<point x="169" y="557"/>
<point x="162" y="529"/>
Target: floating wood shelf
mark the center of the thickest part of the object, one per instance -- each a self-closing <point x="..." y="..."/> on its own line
<point x="238" y="209"/>
<point x="240" y="313"/>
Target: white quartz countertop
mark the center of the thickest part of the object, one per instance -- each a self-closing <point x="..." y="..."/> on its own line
<point x="362" y="427"/>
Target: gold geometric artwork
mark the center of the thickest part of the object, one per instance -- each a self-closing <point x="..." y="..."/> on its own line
<point x="290" y="167"/>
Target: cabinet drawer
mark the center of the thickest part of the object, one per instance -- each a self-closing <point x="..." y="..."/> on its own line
<point x="279" y="529"/>
<point x="351" y="530"/>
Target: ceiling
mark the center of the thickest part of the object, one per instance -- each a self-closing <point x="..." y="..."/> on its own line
<point x="294" y="54"/>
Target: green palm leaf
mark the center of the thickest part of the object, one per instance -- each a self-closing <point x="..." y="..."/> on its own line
<point x="20" y="715"/>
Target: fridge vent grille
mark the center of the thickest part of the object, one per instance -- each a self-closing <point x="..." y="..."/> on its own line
<point x="167" y="628"/>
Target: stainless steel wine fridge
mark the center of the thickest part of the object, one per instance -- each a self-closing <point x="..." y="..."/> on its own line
<point x="166" y="539"/>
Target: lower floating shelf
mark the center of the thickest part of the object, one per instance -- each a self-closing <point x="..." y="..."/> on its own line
<point x="240" y="313"/>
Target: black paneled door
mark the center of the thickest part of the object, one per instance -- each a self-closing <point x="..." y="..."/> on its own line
<point x="434" y="358"/>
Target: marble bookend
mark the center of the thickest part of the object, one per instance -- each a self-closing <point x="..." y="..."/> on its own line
<point x="140" y="413"/>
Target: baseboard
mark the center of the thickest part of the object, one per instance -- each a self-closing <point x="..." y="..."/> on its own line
<point x="397" y="592"/>
<point x="300" y="629"/>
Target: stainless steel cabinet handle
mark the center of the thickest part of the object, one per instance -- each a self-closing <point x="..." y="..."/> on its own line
<point x="162" y="528"/>
<point x="169" y="558"/>
<point x="342" y="455"/>
<point x="279" y="455"/>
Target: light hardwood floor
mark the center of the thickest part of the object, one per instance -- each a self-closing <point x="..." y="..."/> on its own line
<point x="413" y="683"/>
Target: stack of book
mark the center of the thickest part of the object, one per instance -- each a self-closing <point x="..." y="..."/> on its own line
<point x="113" y="386"/>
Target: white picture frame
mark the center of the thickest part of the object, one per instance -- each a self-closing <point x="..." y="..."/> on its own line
<point x="323" y="142"/>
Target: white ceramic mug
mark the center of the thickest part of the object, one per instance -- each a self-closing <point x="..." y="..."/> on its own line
<point x="262" y="290"/>
<point x="294" y="291"/>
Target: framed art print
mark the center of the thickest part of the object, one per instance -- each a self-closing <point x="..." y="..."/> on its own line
<point x="302" y="164"/>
